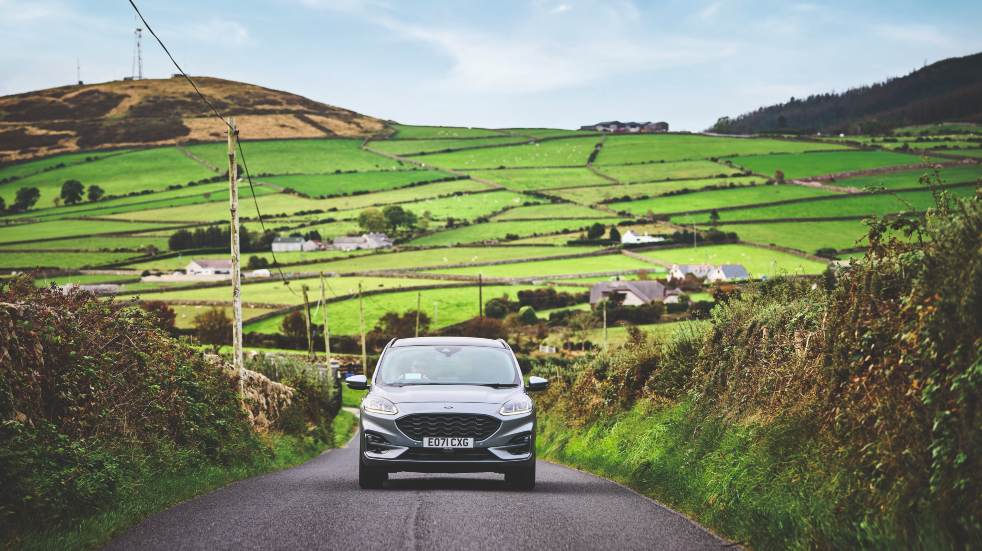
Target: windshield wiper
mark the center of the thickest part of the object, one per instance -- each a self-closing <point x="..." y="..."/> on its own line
<point x="498" y="385"/>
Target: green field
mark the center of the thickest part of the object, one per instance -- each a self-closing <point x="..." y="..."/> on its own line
<point x="23" y="260"/>
<point x="447" y="306"/>
<point x="134" y="242"/>
<point x="439" y="257"/>
<point x="150" y="169"/>
<point x="411" y="147"/>
<point x="69" y="228"/>
<point x="940" y="128"/>
<point x="500" y="231"/>
<point x="564" y="152"/>
<point x="180" y="261"/>
<point x="527" y="179"/>
<point x="83" y="279"/>
<point x="714" y="199"/>
<point x="677" y="147"/>
<point x="404" y="131"/>
<point x="974" y="153"/>
<point x="758" y="261"/>
<point x="186" y="314"/>
<point x="804" y="236"/>
<point x="842" y="205"/>
<point x="552" y="212"/>
<point x="821" y="163"/>
<point x="28" y="168"/>
<point x="565" y="266"/>
<point x="471" y="206"/>
<point x="315" y="156"/>
<point x="547" y="132"/>
<point x="650" y="172"/>
<point x="275" y="292"/>
<point x="348" y="183"/>
<point x="590" y="196"/>
<point x="911" y="178"/>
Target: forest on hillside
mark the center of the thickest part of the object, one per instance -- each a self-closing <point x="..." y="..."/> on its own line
<point x="949" y="90"/>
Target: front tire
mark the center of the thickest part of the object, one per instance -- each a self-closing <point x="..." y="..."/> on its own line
<point x="522" y="479"/>
<point x="370" y="478"/>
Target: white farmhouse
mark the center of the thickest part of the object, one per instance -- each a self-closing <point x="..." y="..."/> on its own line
<point x="632" y="293"/>
<point x="364" y="241"/>
<point x="728" y="272"/>
<point x="679" y="271"/>
<point x="287" y="244"/>
<point x="209" y="267"/>
<point x="631" y="238"/>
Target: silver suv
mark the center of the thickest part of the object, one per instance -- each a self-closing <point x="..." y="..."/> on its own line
<point x="447" y="405"/>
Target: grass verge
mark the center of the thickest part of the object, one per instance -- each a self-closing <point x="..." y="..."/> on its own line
<point x="157" y="491"/>
<point x="762" y="485"/>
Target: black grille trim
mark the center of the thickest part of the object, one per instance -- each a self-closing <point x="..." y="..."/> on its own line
<point x="435" y="454"/>
<point x="461" y="425"/>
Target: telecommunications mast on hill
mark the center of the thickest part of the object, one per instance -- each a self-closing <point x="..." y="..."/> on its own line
<point x="137" y="72"/>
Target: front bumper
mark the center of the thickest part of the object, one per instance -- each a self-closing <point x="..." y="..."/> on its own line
<point x="399" y="452"/>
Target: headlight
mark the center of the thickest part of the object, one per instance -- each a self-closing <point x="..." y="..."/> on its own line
<point x="516" y="406"/>
<point x="377" y="404"/>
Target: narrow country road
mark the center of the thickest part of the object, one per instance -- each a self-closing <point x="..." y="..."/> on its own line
<point x="318" y="505"/>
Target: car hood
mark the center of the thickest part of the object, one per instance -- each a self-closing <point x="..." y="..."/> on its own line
<point x="460" y="394"/>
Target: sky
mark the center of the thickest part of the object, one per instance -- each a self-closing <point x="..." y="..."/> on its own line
<point x="499" y="63"/>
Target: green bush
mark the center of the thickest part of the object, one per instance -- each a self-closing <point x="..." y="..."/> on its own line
<point x="92" y="394"/>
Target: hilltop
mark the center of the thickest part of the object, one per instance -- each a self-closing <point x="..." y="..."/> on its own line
<point x="949" y="90"/>
<point x="148" y="112"/>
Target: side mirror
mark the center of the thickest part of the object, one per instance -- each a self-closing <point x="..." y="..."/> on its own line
<point x="537" y="383"/>
<point x="357" y="382"/>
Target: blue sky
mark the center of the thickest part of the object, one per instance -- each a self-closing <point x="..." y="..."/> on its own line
<point x="557" y="63"/>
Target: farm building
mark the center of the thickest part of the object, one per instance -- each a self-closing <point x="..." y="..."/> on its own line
<point x="364" y="241"/>
<point x="728" y="272"/>
<point x="679" y="271"/>
<point x="632" y="293"/>
<point x="631" y="238"/>
<point x="287" y="244"/>
<point x="627" y="127"/>
<point x="209" y="267"/>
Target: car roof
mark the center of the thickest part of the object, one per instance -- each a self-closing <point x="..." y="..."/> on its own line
<point x="449" y="341"/>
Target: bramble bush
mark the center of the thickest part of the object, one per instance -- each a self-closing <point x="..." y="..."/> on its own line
<point x="92" y="394"/>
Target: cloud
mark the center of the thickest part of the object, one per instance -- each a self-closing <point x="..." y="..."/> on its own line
<point x="219" y="31"/>
<point x="710" y="10"/>
<point x="519" y="62"/>
<point x="561" y="8"/>
<point x="912" y="33"/>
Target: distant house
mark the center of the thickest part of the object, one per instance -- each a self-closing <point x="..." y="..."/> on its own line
<point x="728" y="272"/>
<point x="631" y="238"/>
<point x="678" y="271"/>
<point x="632" y="293"/>
<point x="627" y="127"/>
<point x="288" y="244"/>
<point x="209" y="267"/>
<point x="97" y="288"/>
<point x="364" y="241"/>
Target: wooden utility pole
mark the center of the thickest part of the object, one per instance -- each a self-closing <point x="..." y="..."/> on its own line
<point x="480" y="296"/>
<point x="605" y="325"/>
<point x="419" y="297"/>
<point x="361" y="322"/>
<point x="310" y="338"/>
<point x="327" y="325"/>
<point x="233" y="205"/>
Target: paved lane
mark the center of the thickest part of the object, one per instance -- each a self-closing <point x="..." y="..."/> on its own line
<point x="318" y="505"/>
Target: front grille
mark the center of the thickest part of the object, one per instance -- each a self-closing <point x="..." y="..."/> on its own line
<point x="434" y="454"/>
<point x="458" y="425"/>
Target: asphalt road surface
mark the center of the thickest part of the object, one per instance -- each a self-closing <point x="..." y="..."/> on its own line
<point x="318" y="505"/>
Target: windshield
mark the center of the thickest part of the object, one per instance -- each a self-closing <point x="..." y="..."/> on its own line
<point x="447" y="365"/>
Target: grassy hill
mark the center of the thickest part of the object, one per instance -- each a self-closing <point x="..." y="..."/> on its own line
<point x="949" y="90"/>
<point x="136" y="113"/>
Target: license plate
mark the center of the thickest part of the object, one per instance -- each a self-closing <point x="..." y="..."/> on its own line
<point x="447" y="442"/>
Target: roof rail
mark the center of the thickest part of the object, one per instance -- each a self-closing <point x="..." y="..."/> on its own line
<point x="504" y="342"/>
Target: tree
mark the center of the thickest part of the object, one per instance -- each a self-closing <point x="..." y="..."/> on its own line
<point x="615" y="234"/>
<point x="95" y="193"/>
<point x="527" y="315"/>
<point x="3" y="205"/>
<point x="596" y="231"/>
<point x="71" y="191"/>
<point x="179" y="240"/>
<point x="372" y="220"/>
<point x="164" y="314"/>
<point x="779" y="176"/>
<point x="257" y="262"/>
<point x="313" y="235"/>
<point x="394" y="325"/>
<point x="25" y="198"/>
<point x="213" y="326"/>
<point x="498" y="308"/>
<point x="396" y="216"/>
<point x="714" y="217"/>
<point x="294" y="325"/>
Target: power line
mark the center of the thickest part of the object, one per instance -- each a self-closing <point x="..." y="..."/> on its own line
<point x="231" y="129"/>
